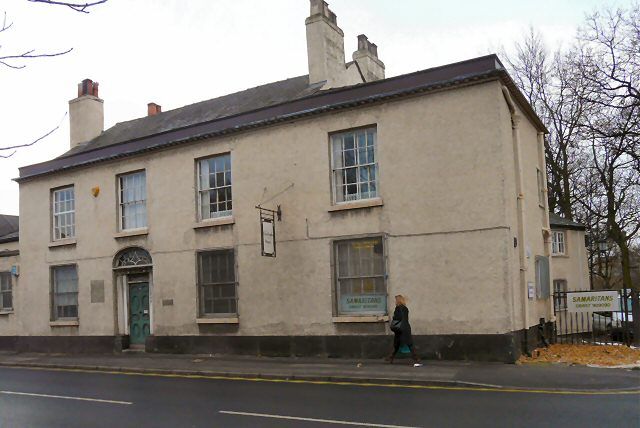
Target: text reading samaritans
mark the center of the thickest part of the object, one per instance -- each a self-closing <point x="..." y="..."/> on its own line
<point x="593" y="301"/>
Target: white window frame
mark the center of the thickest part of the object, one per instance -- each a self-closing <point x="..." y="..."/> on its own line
<point x="200" y="163"/>
<point x="63" y="214"/>
<point x="339" y="169"/>
<point x="55" y="294"/>
<point x="135" y="202"/>
<point x="6" y="280"/>
<point x="338" y="276"/>
<point x="202" y="285"/>
<point x="558" y="243"/>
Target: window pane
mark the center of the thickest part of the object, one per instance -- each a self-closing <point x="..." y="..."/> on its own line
<point x="63" y="213"/>
<point x="353" y="162"/>
<point x="215" y="187"/>
<point x="360" y="276"/>
<point x="216" y="279"/>
<point x="65" y="288"/>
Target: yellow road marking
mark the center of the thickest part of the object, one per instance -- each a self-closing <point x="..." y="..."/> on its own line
<point x="132" y="372"/>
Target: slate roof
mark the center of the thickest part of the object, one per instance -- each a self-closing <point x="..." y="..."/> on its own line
<point x="269" y="104"/>
<point x="8" y="228"/>
<point x="558" y="222"/>
<point x="204" y="111"/>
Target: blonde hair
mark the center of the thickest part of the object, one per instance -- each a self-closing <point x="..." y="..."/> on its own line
<point x="401" y="299"/>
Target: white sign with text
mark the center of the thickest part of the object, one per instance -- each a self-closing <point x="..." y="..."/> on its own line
<point x="593" y="301"/>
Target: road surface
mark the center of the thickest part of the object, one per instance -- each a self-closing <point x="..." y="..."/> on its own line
<point x="57" y="398"/>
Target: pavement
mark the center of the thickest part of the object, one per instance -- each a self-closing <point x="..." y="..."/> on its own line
<point x="63" y="398"/>
<point x="547" y="377"/>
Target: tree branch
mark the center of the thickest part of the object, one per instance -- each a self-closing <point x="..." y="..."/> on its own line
<point x="31" y="143"/>
<point x="78" y="7"/>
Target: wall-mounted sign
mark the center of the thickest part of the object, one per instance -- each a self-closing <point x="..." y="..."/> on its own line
<point x="593" y="301"/>
<point x="268" y="230"/>
<point x="531" y="290"/>
<point x="268" y="237"/>
<point x="363" y="303"/>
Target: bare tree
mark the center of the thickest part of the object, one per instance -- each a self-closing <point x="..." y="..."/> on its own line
<point x="548" y="81"/>
<point x="608" y="64"/>
<point x="16" y="60"/>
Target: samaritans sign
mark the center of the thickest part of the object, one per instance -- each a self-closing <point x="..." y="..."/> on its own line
<point x="363" y="303"/>
<point x="593" y="301"/>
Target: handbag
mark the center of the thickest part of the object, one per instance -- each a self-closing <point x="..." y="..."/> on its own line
<point x="395" y="325"/>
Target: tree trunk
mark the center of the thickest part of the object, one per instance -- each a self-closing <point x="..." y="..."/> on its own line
<point x="626" y="283"/>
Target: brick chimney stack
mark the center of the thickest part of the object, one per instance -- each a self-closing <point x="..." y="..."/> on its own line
<point x="153" y="109"/>
<point x="86" y="114"/>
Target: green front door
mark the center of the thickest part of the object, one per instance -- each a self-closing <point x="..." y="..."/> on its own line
<point x="139" y="324"/>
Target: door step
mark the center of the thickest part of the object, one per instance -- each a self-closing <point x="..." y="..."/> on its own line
<point x="134" y="348"/>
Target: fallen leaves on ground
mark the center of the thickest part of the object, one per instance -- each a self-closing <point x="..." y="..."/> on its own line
<point x="600" y="355"/>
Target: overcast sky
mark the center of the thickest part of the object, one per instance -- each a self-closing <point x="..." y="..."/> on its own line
<point x="176" y="52"/>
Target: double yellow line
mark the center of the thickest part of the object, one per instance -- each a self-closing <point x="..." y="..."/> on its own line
<point x="132" y="372"/>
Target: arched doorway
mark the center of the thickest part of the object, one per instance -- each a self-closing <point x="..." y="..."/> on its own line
<point x="133" y="269"/>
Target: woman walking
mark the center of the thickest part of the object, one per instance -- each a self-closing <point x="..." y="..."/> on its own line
<point x="402" y="331"/>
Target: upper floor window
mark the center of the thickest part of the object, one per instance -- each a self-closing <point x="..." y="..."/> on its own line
<point x="6" y="297"/>
<point x="354" y="165"/>
<point x="214" y="187"/>
<point x="65" y="292"/>
<point x="558" y="243"/>
<point x="64" y="213"/>
<point x="133" y="200"/>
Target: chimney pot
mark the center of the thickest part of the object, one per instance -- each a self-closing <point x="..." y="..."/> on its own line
<point x="88" y="87"/>
<point x="153" y="109"/>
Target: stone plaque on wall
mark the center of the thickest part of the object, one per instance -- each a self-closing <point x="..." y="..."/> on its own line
<point x="97" y="291"/>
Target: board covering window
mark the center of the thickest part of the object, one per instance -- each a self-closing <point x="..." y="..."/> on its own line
<point x="354" y="165"/>
<point x="65" y="292"/>
<point x="360" y="276"/>
<point x="133" y="200"/>
<point x="64" y="213"/>
<point x="214" y="187"/>
<point x="6" y="296"/>
<point x="217" y="283"/>
<point x="542" y="277"/>
<point x="558" y="244"/>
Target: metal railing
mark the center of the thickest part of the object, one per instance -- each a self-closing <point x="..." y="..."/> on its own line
<point x="606" y="327"/>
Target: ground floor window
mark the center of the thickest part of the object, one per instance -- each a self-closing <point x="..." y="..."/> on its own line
<point x="560" y="294"/>
<point x="6" y="297"/>
<point x="360" y="276"/>
<point x="65" y="292"/>
<point x="217" y="283"/>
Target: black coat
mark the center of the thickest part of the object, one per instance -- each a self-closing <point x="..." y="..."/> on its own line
<point x="402" y="336"/>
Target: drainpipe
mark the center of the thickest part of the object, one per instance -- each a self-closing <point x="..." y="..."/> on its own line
<point x="520" y="210"/>
<point x="546" y="224"/>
